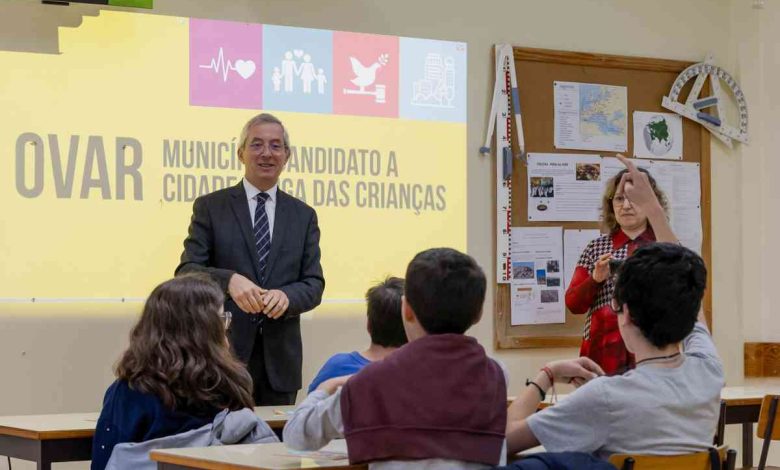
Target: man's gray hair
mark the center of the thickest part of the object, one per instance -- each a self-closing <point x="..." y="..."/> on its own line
<point x="263" y="118"/>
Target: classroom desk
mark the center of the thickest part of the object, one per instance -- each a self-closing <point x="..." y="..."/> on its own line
<point x="743" y="404"/>
<point x="263" y="457"/>
<point x="46" y="439"/>
<point x="253" y="457"/>
<point x="275" y="416"/>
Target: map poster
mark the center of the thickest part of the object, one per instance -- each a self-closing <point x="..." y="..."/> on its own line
<point x="658" y="135"/>
<point x="537" y="286"/>
<point x="590" y="116"/>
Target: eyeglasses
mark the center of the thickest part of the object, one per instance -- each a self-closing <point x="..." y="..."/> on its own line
<point x="619" y="200"/>
<point x="273" y="147"/>
<point x="615" y="306"/>
<point x="226" y="317"/>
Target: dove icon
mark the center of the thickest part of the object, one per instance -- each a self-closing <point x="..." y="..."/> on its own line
<point x="366" y="76"/>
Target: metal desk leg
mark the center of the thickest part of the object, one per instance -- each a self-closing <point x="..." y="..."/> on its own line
<point x="747" y="445"/>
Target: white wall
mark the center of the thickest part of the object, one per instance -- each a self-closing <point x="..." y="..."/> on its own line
<point x="61" y="363"/>
<point x="757" y="55"/>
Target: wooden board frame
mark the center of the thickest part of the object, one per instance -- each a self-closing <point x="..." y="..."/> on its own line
<point x="648" y="80"/>
<point x="762" y="359"/>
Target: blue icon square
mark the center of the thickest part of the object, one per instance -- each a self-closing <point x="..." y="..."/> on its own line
<point x="297" y="69"/>
<point x="433" y="80"/>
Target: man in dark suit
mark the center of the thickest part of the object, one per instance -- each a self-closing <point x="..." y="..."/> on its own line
<point x="262" y="246"/>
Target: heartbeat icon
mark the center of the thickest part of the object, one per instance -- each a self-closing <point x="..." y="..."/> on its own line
<point x="244" y="68"/>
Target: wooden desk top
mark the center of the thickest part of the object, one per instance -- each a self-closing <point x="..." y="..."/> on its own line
<point x="751" y="393"/>
<point x="44" y="427"/>
<point x="275" y="416"/>
<point x="82" y="425"/>
<point x="257" y="457"/>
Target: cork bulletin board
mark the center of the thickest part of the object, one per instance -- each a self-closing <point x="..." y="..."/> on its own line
<point x="648" y="80"/>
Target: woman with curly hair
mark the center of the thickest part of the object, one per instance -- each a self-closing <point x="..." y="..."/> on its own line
<point x="177" y="373"/>
<point x="626" y="227"/>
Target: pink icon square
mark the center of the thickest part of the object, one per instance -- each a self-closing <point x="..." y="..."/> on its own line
<point x="365" y="74"/>
<point x="225" y="64"/>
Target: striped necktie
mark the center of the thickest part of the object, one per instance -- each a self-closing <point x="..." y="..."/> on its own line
<point x="262" y="234"/>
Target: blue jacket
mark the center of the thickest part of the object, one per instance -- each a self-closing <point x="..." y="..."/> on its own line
<point x="131" y="416"/>
<point x="559" y="461"/>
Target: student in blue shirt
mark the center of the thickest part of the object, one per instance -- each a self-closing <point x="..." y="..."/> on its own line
<point x="177" y="372"/>
<point x="384" y="326"/>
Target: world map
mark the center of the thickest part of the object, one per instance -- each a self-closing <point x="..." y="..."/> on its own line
<point x="602" y="111"/>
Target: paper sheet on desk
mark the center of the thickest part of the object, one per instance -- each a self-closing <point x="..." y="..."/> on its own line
<point x="317" y="454"/>
<point x="334" y="450"/>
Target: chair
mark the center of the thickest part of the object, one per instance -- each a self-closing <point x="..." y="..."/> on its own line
<point x="768" y="428"/>
<point x="721" y="458"/>
<point x="721" y="431"/>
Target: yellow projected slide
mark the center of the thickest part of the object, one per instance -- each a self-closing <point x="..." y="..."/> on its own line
<point x="107" y="144"/>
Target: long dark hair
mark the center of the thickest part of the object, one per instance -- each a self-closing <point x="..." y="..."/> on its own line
<point x="178" y="350"/>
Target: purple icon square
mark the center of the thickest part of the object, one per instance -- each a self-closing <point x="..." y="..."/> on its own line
<point x="225" y="64"/>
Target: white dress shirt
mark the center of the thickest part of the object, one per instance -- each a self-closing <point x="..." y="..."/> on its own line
<point x="270" y="204"/>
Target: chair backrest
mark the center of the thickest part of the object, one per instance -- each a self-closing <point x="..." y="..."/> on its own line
<point x="768" y="427"/>
<point x="768" y="417"/>
<point x="726" y="460"/>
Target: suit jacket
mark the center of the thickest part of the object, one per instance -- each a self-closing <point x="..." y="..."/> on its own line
<point x="221" y="242"/>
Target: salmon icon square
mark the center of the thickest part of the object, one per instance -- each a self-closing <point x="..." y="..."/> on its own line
<point x="225" y="62"/>
<point x="365" y="74"/>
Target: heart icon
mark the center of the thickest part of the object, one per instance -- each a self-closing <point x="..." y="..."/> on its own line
<point x="298" y="53"/>
<point x="245" y="68"/>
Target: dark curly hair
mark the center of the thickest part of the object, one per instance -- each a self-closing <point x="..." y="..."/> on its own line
<point x="178" y="350"/>
<point x="662" y="284"/>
